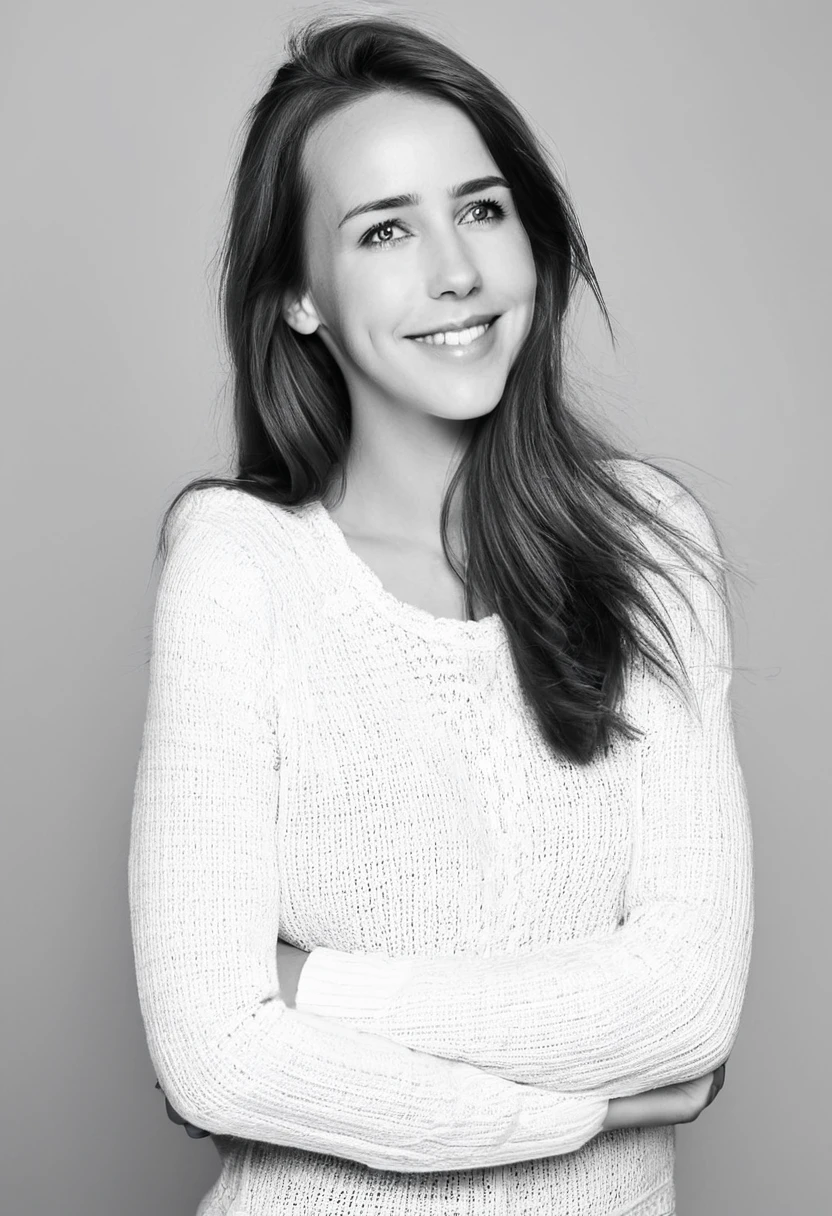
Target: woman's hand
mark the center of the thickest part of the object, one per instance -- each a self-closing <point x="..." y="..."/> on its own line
<point x="680" y="1103"/>
<point x="195" y="1133"/>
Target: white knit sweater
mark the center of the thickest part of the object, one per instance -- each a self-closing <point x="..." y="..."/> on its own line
<point x="501" y="940"/>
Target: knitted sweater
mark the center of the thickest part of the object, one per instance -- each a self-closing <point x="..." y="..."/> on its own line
<point x="501" y="940"/>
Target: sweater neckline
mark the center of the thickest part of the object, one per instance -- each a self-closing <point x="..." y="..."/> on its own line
<point x="364" y="580"/>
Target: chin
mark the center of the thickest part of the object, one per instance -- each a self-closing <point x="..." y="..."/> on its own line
<point x="458" y="404"/>
<point x="476" y="409"/>
<point x="471" y="416"/>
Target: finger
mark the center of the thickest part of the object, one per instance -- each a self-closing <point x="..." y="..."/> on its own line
<point x="716" y="1084"/>
<point x="173" y="1114"/>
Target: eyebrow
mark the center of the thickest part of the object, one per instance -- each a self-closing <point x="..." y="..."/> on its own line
<point x="474" y="186"/>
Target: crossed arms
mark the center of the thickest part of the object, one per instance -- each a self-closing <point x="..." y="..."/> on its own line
<point x="465" y="1061"/>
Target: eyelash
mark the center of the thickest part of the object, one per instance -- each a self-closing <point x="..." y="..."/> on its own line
<point x="370" y="244"/>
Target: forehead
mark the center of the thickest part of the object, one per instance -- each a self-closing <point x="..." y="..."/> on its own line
<point x="392" y="143"/>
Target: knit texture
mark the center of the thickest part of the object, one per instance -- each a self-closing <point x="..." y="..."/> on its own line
<point x="501" y="940"/>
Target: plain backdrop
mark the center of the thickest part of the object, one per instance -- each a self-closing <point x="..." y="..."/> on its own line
<point x="694" y="139"/>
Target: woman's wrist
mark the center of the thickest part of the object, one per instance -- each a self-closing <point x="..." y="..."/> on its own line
<point x="655" y="1108"/>
<point x="624" y="1112"/>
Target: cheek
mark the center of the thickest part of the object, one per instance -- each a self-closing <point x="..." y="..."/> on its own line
<point x="521" y="276"/>
<point x="508" y="274"/>
<point x="383" y="286"/>
<point x="349" y="292"/>
<point x="380" y="312"/>
<point x="374" y="296"/>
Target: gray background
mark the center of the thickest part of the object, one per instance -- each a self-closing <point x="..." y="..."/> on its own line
<point x="694" y="138"/>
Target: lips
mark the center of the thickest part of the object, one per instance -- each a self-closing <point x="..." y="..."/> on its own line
<point x="457" y="326"/>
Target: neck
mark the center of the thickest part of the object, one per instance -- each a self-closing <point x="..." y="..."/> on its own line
<point x="396" y="478"/>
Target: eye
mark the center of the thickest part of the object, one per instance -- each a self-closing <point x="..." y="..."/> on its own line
<point x="380" y="230"/>
<point x="482" y="205"/>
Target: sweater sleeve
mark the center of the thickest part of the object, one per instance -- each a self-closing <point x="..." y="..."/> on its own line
<point x="654" y="1003"/>
<point x="230" y="1056"/>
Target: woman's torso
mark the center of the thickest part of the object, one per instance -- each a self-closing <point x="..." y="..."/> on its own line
<point x="421" y="811"/>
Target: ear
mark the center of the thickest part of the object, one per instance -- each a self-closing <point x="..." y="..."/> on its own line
<point x="301" y="314"/>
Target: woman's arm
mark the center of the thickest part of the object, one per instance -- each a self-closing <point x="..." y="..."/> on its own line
<point x="656" y="1002"/>
<point x="659" y="1107"/>
<point x="231" y="1056"/>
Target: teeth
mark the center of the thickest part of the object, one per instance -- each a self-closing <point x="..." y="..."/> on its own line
<point x="460" y="337"/>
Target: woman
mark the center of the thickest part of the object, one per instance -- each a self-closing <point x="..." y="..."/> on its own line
<point x="470" y="758"/>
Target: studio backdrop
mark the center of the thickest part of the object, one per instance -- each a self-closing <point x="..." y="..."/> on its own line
<point x="693" y="137"/>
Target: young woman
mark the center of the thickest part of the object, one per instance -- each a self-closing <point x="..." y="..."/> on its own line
<point x="439" y="697"/>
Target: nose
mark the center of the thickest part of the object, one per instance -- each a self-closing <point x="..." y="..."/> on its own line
<point x="451" y="267"/>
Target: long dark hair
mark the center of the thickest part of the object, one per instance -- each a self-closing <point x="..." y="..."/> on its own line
<point x="543" y="514"/>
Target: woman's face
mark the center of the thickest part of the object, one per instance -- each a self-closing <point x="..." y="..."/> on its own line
<point x="382" y="269"/>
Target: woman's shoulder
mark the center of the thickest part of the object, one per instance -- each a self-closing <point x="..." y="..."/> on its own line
<point x="650" y="485"/>
<point x="230" y="510"/>
<point x="232" y="534"/>
<point x="664" y="495"/>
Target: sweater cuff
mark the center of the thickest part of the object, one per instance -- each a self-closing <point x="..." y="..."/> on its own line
<point x="337" y="983"/>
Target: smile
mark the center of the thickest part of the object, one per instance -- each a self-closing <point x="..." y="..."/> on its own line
<point x="458" y="337"/>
